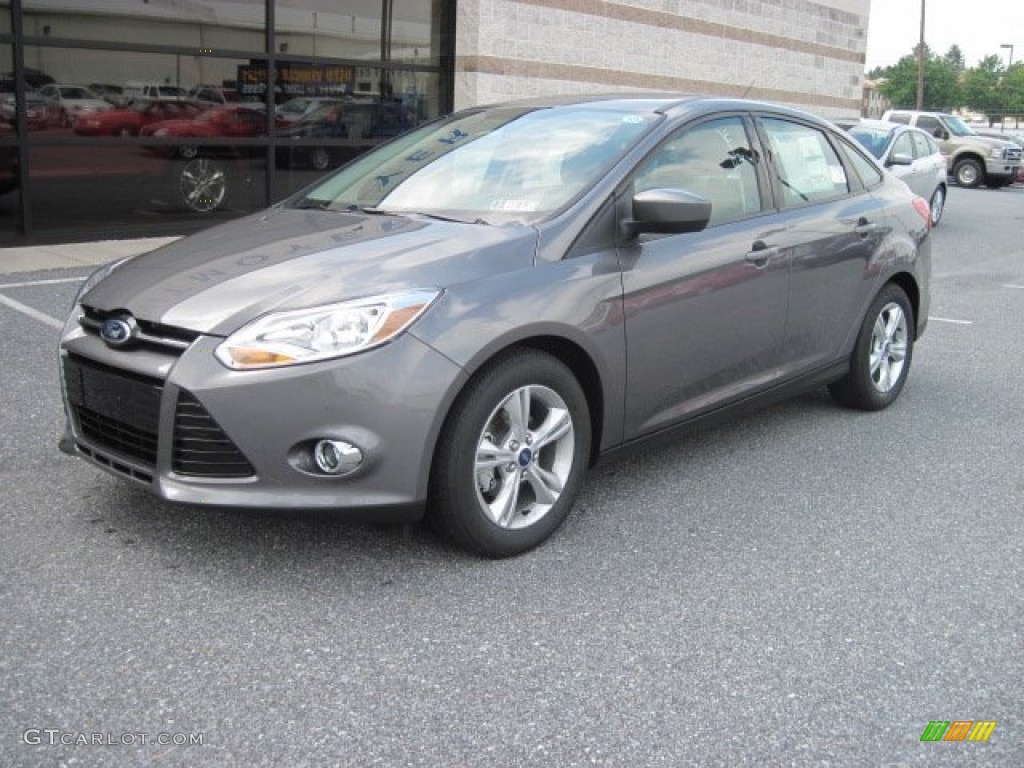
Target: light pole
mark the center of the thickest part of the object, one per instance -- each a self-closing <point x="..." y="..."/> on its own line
<point x="920" y="64"/>
<point x="1010" y="46"/>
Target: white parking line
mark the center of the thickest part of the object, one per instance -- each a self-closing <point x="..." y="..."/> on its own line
<point x="947" y="320"/>
<point x="30" y="283"/>
<point x="28" y="311"/>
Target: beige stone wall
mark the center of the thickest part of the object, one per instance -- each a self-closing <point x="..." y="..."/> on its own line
<point x="807" y="53"/>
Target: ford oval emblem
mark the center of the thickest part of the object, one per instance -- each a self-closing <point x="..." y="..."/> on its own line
<point x="118" y="331"/>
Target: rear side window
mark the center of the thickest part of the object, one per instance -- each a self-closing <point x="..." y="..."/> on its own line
<point x="923" y="145"/>
<point x="806" y="167"/>
<point x="899" y="117"/>
<point x="869" y="174"/>
<point x="930" y="125"/>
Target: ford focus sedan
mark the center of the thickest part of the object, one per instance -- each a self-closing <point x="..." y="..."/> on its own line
<point x="460" y="322"/>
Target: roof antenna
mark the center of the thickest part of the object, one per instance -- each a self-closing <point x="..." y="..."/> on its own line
<point x="749" y="88"/>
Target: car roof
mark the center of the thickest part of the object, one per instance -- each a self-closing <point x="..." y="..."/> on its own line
<point x="671" y="104"/>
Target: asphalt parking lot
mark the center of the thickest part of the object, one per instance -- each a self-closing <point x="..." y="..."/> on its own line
<point x="809" y="586"/>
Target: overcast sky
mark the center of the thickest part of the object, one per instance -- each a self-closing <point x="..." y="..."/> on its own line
<point x="977" y="26"/>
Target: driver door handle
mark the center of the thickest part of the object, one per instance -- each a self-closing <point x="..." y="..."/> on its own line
<point x="760" y="253"/>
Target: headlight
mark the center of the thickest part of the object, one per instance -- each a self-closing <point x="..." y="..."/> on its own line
<point x="321" y="333"/>
<point x="997" y="154"/>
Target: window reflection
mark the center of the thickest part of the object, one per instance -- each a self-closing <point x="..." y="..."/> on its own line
<point x="208" y="26"/>
<point x="130" y="140"/>
<point x="128" y="186"/>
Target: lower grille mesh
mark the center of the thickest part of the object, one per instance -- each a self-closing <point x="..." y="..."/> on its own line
<point x="115" y="410"/>
<point x="201" y="447"/>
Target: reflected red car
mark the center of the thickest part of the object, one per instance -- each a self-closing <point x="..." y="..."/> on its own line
<point x="131" y="121"/>
<point x="218" y="122"/>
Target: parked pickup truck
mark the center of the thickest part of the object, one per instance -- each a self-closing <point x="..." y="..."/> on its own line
<point x="970" y="159"/>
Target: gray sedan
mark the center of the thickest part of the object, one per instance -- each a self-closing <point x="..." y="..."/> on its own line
<point x="912" y="155"/>
<point x="460" y="322"/>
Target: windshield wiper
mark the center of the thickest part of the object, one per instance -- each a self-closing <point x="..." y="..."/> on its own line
<point x="312" y="204"/>
<point x="439" y="217"/>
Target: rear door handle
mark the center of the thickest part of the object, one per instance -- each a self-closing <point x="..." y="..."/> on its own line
<point x="760" y="253"/>
<point x="865" y="227"/>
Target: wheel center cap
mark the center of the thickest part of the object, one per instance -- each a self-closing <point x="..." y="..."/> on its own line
<point x="525" y="458"/>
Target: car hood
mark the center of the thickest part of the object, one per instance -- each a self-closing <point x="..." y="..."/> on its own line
<point x="218" y="280"/>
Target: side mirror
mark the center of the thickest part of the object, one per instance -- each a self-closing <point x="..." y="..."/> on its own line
<point x="900" y="159"/>
<point x="668" y="211"/>
<point x="940" y="134"/>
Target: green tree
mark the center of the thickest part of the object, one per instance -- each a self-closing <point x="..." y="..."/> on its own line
<point x="982" y="89"/>
<point x="941" y="82"/>
<point x="1013" y="88"/>
<point x="955" y="58"/>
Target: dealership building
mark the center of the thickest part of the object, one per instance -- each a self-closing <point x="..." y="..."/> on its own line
<point x="99" y="137"/>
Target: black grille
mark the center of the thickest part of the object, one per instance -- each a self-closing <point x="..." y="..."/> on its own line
<point x="115" y="410"/>
<point x="156" y="336"/>
<point x="201" y="448"/>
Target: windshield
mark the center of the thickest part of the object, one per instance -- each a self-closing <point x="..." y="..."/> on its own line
<point x="957" y="126"/>
<point x="875" y="140"/>
<point x="503" y="164"/>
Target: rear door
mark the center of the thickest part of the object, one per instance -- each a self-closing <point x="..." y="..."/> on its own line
<point x="829" y="227"/>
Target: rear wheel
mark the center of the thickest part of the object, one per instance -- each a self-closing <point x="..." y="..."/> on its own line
<point x="937" y="205"/>
<point x="512" y="455"/>
<point x="968" y="173"/>
<point x="880" y="361"/>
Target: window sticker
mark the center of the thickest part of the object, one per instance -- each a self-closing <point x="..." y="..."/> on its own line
<point x="515" y="206"/>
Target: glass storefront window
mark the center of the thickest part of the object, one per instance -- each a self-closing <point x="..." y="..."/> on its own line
<point x="337" y="29"/>
<point x="208" y="26"/>
<point x="119" y="190"/>
<point x="332" y="131"/>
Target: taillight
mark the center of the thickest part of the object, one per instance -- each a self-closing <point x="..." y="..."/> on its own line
<point x="921" y="206"/>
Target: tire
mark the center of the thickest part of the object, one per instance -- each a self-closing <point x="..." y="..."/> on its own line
<point x="319" y="159"/>
<point x="880" y="361"/>
<point x="203" y="185"/>
<point x="937" y="205"/>
<point x="968" y="173"/>
<point x="512" y="455"/>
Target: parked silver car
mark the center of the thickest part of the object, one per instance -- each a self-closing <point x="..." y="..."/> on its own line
<point x="463" y="320"/>
<point x="912" y="155"/>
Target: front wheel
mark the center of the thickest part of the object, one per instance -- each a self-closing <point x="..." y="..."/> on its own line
<point x="881" y="356"/>
<point x="968" y="173"/>
<point x="203" y="184"/>
<point x="512" y="455"/>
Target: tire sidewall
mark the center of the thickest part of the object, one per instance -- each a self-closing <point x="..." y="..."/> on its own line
<point x="453" y="499"/>
<point x="977" y="177"/>
<point x="864" y="388"/>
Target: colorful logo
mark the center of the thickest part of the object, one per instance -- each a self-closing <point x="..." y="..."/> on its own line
<point x="958" y="730"/>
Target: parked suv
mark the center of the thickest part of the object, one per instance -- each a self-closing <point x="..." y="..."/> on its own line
<point x="970" y="159"/>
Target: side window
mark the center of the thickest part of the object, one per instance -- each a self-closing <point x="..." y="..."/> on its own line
<point x="899" y="117"/>
<point x="922" y="145"/>
<point x="805" y="166"/>
<point x="903" y="145"/>
<point x="867" y="170"/>
<point x="713" y="160"/>
<point x="929" y="125"/>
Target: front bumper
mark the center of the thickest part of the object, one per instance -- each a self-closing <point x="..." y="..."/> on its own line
<point x="136" y="414"/>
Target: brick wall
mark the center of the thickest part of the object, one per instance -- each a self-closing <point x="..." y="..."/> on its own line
<point x="805" y="53"/>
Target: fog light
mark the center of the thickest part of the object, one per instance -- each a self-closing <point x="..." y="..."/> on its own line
<point x="336" y="457"/>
